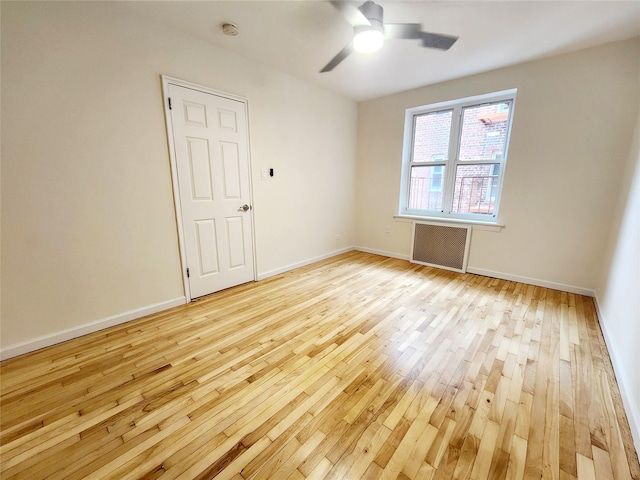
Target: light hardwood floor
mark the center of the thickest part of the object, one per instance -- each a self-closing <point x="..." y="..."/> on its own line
<point x="359" y="366"/>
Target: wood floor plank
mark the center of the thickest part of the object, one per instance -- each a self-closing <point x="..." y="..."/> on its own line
<point x="517" y="458"/>
<point x="358" y="366"/>
<point x="486" y="450"/>
<point x="586" y="469"/>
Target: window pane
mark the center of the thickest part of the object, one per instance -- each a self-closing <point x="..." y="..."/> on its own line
<point x="484" y="131"/>
<point x="425" y="191"/>
<point x="476" y="188"/>
<point x="431" y="136"/>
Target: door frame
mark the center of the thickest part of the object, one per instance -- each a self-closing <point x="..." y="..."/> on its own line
<point x="166" y="82"/>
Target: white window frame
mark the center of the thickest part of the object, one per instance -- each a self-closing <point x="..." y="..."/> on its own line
<point x="452" y="163"/>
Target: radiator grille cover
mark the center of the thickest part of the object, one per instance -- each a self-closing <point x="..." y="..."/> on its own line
<point x="442" y="246"/>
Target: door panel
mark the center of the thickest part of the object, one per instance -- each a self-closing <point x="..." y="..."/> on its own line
<point x="207" y="249"/>
<point x="212" y="162"/>
<point x="231" y="169"/>
<point x="200" y="171"/>
<point x="195" y="114"/>
<point x="227" y="119"/>
<point x="235" y="234"/>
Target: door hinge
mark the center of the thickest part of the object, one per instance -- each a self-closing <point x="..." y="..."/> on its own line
<point x="188" y="276"/>
<point x="170" y="107"/>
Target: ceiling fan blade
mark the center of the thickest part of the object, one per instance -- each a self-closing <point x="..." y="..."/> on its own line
<point x="342" y="54"/>
<point x="352" y="13"/>
<point x="436" y="40"/>
<point x="410" y="31"/>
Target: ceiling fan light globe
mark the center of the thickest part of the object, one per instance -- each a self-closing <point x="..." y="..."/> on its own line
<point x="368" y="40"/>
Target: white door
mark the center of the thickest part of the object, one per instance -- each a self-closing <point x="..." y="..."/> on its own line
<point x="210" y="138"/>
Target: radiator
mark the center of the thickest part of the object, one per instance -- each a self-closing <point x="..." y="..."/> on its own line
<point x="442" y="246"/>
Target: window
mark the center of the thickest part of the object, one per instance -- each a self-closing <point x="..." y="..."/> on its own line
<point x="454" y="157"/>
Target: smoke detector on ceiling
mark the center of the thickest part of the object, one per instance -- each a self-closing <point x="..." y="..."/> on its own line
<point x="230" y="29"/>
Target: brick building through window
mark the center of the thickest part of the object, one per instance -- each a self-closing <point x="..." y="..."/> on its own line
<point x="457" y="157"/>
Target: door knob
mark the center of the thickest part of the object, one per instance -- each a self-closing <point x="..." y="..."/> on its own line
<point x="244" y="208"/>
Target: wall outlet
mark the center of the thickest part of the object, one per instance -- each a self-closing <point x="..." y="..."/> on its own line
<point x="338" y="237"/>
<point x="387" y="229"/>
<point x="263" y="173"/>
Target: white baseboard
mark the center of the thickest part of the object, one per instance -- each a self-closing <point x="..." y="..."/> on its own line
<point x="622" y="379"/>
<point x="293" y="266"/>
<point x="493" y="274"/>
<point x="503" y="276"/>
<point x="533" y="281"/>
<point x="92" y="327"/>
<point x="383" y="253"/>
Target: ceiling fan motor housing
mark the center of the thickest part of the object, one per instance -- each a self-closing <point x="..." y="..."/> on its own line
<point x="373" y="12"/>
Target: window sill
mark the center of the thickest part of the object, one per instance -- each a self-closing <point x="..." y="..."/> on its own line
<point x="478" y="225"/>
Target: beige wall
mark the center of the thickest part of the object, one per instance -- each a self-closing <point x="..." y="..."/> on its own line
<point x="573" y="119"/>
<point x="618" y="288"/>
<point x="88" y="225"/>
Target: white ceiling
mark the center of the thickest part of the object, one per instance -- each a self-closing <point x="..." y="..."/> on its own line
<point x="299" y="37"/>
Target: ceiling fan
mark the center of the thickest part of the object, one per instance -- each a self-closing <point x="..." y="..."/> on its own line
<point x="370" y="31"/>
